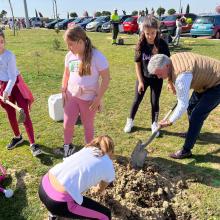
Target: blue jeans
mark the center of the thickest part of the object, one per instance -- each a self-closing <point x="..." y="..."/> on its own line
<point x="200" y="105"/>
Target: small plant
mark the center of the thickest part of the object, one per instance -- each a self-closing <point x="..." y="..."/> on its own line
<point x="57" y="30"/>
<point x="37" y="63"/>
<point x="56" y="44"/>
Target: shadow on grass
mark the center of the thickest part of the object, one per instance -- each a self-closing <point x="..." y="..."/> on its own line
<point x="49" y="153"/>
<point x="203" y="139"/>
<point x="18" y="202"/>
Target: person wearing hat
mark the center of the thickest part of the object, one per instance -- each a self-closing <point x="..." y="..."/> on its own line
<point x="115" y="25"/>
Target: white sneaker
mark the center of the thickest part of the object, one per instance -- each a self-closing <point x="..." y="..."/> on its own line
<point x="154" y="127"/>
<point x="129" y="125"/>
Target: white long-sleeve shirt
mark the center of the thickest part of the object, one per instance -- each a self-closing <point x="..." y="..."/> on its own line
<point x="182" y="86"/>
<point x="8" y="70"/>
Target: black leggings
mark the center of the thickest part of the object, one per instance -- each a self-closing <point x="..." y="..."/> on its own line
<point x="155" y="90"/>
<point x="61" y="209"/>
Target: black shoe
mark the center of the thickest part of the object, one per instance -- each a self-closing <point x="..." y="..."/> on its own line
<point x="14" y="142"/>
<point x="35" y="150"/>
<point x="69" y="149"/>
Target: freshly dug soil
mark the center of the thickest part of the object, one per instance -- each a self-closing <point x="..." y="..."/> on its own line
<point x="149" y="193"/>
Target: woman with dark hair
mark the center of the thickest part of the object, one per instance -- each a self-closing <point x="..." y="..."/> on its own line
<point x="148" y="44"/>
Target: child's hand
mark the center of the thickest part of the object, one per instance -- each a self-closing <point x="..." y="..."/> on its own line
<point x="5" y="96"/>
<point x="140" y="87"/>
<point x="95" y="104"/>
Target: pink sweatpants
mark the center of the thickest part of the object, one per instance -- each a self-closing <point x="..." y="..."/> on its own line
<point x="73" y="107"/>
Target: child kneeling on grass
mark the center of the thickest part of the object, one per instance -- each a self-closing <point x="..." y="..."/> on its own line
<point x="13" y="88"/>
<point x="62" y="187"/>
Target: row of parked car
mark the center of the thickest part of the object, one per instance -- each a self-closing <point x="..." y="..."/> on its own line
<point x="202" y="25"/>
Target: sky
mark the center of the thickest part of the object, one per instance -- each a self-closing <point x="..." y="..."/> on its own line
<point x="79" y="6"/>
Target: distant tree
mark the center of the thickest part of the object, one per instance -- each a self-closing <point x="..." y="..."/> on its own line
<point x="106" y="13"/>
<point x="40" y="14"/>
<point x="85" y="14"/>
<point x="73" y="14"/>
<point x="152" y="11"/>
<point x="3" y="13"/>
<point x="124" y="12"/>
<point x="160" y="11"/>
<point x="171" y="11"/>
<point x="181" y="10"/>
<point x="146" y="11"/>
<point x="187" y="9"/>
<point x="97" y="14"/>
<point x="134" y="13"/>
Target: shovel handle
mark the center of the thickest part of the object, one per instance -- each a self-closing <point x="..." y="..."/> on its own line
<point x="11" y="104"/>
<point x="150" y="139"/>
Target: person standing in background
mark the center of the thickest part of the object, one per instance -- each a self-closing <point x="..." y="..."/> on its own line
<point x="115" y="25"/>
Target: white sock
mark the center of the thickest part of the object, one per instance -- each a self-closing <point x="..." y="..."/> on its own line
<point x="18" y="136"/>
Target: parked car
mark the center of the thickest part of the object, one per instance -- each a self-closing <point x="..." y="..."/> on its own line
<point x="106" y="27"/>
<point x="170" y="22"/>
<point x="51" y="25"/>
<point x="130" y="25"/>
<point x="63" y="24"/>
<point x="36" y="22"/>
<point x="207" y="25"/>
<point x="96" y="25"/>
<point x="85" y="22"/>
<point x="77" y="21"/>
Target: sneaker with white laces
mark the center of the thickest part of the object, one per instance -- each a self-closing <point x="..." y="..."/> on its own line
<point x="35" y="150"/>
<point x="69" y="149"/>
<point x="129" y="125"/>
<point x="154" y="127"/>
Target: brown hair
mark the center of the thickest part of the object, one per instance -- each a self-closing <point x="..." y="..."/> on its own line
<point x="149" y="22"/>
<point x="104" y="143"/>
<point x="75" y="34"/>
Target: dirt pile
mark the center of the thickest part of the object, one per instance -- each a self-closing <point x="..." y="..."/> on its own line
<point x="145" y="194"/>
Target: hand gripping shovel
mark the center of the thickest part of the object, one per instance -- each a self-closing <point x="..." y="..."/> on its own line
<point x="22" y="116"/>
<point x="139" y="153"/>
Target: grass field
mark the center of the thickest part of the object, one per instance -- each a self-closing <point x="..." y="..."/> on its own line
<point x="42" y="68"/>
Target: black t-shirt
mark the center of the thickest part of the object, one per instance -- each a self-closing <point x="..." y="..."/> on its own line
<point x="146" y="54"/>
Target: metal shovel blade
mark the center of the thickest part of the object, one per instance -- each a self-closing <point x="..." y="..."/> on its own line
<point x="139" y="153"/>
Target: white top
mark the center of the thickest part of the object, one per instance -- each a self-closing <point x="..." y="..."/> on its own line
<point x="83" y="170"/>
<point x="8" y="69"/>
<point x="182" y="86"/>
<point x="87" y="82"/>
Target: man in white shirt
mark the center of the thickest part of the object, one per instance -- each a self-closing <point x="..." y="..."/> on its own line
<point x="184" y="71"/>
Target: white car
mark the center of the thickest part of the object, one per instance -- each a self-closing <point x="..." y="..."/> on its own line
<point x="96" y="25"/>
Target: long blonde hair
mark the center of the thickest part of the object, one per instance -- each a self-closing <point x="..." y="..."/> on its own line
<point x="75" y="34"/>
<point x="103" y="143"/>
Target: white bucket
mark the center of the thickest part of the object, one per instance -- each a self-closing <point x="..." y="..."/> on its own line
<point x="55" y="105"/>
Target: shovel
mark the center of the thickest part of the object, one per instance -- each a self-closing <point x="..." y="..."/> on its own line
<point x="139" y="153"/>
<point x="21" y="116"/>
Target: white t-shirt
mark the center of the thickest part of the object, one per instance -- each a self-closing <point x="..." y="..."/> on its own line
<point x="83" y="170"/>
<point x="8" y="70"/>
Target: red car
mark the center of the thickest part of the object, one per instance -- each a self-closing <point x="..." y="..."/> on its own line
<point x="169" y="23"/>
<point x="130" y="25"/>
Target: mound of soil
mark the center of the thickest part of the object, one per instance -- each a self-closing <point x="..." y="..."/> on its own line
<point x="144" y="194"/>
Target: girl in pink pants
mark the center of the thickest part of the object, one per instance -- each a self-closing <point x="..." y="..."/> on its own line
<point x="81" y="91"/>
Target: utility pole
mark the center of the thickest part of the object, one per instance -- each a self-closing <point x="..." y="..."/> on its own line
<point x="13" y="18"/>
<point x="26" y="15"/>
<point x="55" y="4"/>
<point x="180" y="7"/>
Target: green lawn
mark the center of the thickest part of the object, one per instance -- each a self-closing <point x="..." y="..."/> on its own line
<point x="42" y="68"/>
